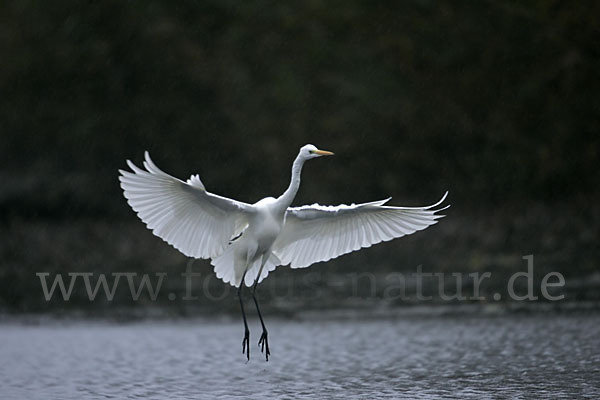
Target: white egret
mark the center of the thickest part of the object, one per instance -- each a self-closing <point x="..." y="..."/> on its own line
<point x="247" y="241"/>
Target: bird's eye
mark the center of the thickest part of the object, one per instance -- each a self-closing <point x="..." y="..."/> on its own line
<point x="311" y="151"/>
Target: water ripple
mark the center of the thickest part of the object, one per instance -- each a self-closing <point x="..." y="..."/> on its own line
<point x="553" y="356"/>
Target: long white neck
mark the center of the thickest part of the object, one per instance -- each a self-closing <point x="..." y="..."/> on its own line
<point x="288" y="196"/>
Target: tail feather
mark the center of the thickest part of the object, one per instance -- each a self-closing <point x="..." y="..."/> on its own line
<point x="225" y="266"/>
<point x="252" y="272"/>
<point x="230" y="268"/>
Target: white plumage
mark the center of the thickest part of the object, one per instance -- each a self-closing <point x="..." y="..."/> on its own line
<point x="319" y="233"/>
<point x="247" y="241"/>
<point x="201" y="224"/>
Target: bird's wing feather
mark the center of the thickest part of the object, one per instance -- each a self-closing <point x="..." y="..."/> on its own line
<point x="319" y="233"/>
<point x="196" y="222"/>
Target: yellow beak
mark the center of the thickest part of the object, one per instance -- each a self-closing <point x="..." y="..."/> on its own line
<point x="323" y="152"/>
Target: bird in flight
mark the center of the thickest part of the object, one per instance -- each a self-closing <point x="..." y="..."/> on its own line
<point x="247" y="241"/>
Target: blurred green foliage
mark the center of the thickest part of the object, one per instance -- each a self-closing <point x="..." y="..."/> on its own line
<point x="496" y="101"/>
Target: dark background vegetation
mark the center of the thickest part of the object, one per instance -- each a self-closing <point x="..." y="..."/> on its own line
<point x="496" y="101"/>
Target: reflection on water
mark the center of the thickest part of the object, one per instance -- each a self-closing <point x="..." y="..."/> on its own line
<point x="552" y="356"/>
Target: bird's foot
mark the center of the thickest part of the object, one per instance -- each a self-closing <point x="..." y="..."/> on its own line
<point x="246" y="344"/>
<point x="263" y="342"/>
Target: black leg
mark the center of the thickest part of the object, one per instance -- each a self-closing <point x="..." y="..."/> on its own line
<point x="263" y="342"/>
<point x="246" y="340"/>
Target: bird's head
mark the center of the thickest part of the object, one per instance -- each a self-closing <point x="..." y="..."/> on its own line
<point x="310" y="151"/>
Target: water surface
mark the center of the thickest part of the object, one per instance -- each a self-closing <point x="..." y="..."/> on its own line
<point x="514" y="356"/>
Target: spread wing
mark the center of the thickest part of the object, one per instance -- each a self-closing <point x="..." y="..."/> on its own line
<point x="319" y="233"/>
<point x="196" y="222"/>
